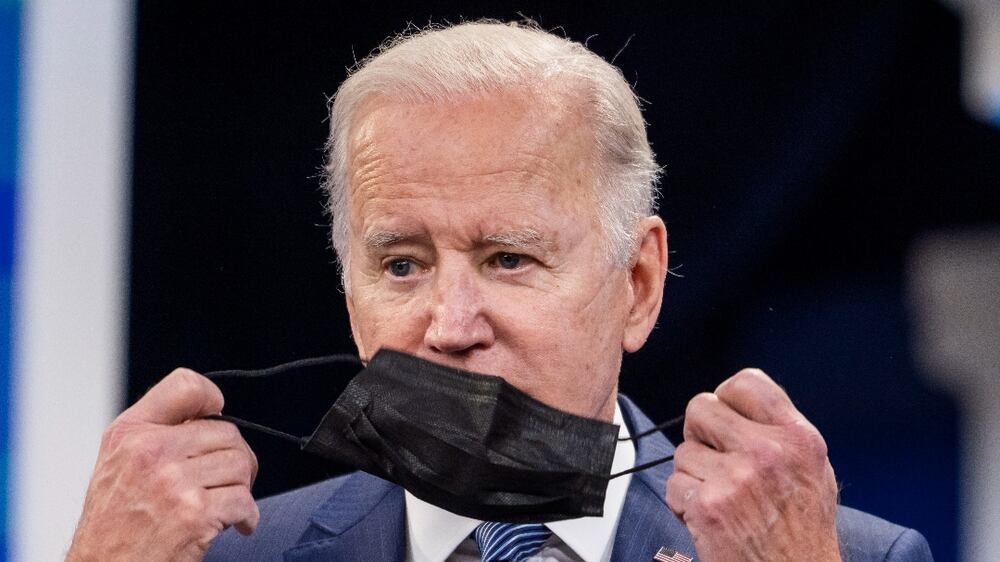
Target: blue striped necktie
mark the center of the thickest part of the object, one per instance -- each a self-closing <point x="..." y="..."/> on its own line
<point x="510" y="542"/>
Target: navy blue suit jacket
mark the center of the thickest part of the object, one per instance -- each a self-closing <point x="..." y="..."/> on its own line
<point x="360" y="517"/>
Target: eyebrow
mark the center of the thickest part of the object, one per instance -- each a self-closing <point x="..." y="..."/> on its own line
<point x="524" y="238"/>
<point x="385" y="238"/>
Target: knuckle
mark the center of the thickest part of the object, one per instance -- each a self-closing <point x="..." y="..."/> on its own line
<point x="672" y="483"/>
<point x="143" y="453"/>
<point x="768" y="455"/>
<point x="229" y="433"/>
<point x="712" y="507"/>
<point x="699" y="403"/>
<point x="681" y="451"/>
<point x="190" y="510"/>
<point x="675" y="495"/>
<point x="813" y="445"/>
<point x="168" y="477"/>
<point x="742" y="382"/>
<point x="743" y="477"/>
<point x="191" y="501"/>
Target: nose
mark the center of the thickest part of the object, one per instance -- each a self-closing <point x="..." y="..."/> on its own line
<point x="458" y="320"/>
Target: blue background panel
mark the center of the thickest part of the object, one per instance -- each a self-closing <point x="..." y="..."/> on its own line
<point x="10" y="36"/>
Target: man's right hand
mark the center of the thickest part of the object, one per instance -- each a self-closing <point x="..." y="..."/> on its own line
<point x="167" y="482"/>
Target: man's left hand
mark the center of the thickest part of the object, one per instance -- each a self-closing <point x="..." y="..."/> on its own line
<point x="752" y="480"/>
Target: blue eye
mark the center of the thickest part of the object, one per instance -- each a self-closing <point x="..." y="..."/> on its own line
<point x="508" y="261"/>
<point x="400" y="268"/>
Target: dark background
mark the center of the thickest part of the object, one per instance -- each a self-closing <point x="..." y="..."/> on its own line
<point x="805" y="146"/>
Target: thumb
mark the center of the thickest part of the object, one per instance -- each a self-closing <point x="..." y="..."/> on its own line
<point x="180" y="396"/>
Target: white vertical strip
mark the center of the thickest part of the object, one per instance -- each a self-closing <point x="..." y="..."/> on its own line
<point x="981" y="56"/>
<point x="70" y="278"/>
<point x="953" y="288"/>
<point x="981" y="51"/>
<point x="980" y="482"/>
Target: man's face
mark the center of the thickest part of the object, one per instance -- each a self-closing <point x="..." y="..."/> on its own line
<point x="475" y="243"/>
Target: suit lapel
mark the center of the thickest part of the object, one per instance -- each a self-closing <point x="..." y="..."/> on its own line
<point x="363" y="520"/>
<point x="646" y="523"/>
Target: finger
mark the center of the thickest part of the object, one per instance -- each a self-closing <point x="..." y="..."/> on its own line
<point x="700" y="461"/>
<point x="753" y="394"/>
<point x="207" y="436"/>
<point x="226" y="467"/>
<point x="234" y="506"/>
<point x="682" y="488"/>
<point x="709" y="421"/>
<point x="198" y="437"/>
<point x="182" y="395"/>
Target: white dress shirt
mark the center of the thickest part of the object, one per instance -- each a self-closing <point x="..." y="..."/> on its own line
<point x="436" y="535"/>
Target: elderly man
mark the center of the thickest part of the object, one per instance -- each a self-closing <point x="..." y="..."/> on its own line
<point x="492" y="196"/>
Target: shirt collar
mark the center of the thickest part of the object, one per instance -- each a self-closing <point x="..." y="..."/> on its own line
<point x="433" y="533"/>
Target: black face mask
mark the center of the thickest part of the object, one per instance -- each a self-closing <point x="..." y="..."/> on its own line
<point x="472" y="444"/>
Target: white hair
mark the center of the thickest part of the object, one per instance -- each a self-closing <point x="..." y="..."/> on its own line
<point x="442" y="64"/>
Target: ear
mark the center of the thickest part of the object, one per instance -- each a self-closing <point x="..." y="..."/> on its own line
<point x="646" y="277"/>
<point x="355" y="331"/>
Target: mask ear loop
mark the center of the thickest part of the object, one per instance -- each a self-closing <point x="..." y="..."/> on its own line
<point x="300" y="441"/>
<point x="641" y="467"/>
<point x="271" y="371"/>
<point x="659" y="427"/>
<point x="284" y="367"/>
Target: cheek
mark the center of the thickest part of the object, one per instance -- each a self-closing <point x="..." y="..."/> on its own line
<point x="601" y="308"/>
<point x="577" y="322"/>
<point x="396" y="321"/>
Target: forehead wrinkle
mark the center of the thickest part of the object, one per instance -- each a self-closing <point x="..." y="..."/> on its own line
<point x="366" y="161"/>
<point x="380" y="148"/>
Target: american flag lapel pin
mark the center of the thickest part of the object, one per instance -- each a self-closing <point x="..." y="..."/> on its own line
<point x="669" y="555"/>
